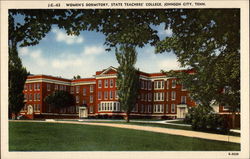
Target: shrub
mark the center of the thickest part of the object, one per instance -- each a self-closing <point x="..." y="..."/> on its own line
<point x="204" y="119"/>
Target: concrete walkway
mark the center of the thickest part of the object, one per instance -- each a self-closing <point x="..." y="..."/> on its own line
<point x="187" y="133"/>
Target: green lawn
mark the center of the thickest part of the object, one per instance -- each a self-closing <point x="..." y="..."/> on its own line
<point x="71" y="137"/>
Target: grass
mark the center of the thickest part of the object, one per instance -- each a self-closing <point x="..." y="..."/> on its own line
<point x="72" y="137"/>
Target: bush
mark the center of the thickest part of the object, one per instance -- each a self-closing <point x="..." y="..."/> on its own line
<point x="204" y="119"/>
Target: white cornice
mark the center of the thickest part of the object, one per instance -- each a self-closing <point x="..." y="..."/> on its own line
<point x="47" y="81"/>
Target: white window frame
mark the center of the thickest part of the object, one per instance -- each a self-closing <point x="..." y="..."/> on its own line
<point x="91" y="99"/>
<point x="183" y="99"/>
<point x="106" y="84"/>
<point x="167" y="108"/>
<point x="99" y="83"/>
<point x="99" y="95"/>
<point x="111" y="83"/>
<point x="106" y="95"/>
<point x="149" y="96"/>
<point x="71" y="90"/>
<point x="84" y="91"/>
<point x="91" y="88"/>
<point x="77" y="89"/>
<point x="77" y="99"/>
<point x="173" y="95"/>
<point x="172" y="108"/>
<point x="111" y="95"/>
<point x="158" y="108"/>
<point x="174" y="83"/>
<point x="56" y="87"/>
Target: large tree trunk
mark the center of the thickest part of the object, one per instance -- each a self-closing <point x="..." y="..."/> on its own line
<point x="233" y="120"/>
<point x="127" y="117"/>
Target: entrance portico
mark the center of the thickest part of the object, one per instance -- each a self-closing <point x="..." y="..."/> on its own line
<point x="182" y="110"/>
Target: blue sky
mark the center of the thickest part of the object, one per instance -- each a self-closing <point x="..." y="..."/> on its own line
<point x="61" y="55"/>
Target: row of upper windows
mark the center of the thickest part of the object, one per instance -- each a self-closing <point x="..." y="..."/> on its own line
<point x="91" y="100"/>
<point x="159" y="96"/>
<point x="108" y="83"/>
<point x="107" y="95"/>
<point x="84" y="90"/>
<point x="157" y="108"/>
<point x="31" y="86"/>
<point x="30" y="97"/>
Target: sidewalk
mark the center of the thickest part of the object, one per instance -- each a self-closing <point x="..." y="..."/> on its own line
<point x="187" y="133"/>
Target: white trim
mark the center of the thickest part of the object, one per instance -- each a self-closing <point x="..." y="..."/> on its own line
<point x="82" y="83"/>
<point x="48" y="81"/>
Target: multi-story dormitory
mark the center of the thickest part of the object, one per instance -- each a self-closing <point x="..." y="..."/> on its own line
<point x="159" y="97"/>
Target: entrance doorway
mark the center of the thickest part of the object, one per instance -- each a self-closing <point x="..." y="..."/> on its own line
<point x="181" y="110"/>
<point x="83" y="112"/>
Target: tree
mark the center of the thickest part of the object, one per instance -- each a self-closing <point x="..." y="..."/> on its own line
<point x="127" y="78"/>
<point x="77" y="77"/>
<point x="207" y="41"/>
<point x="59" y="99"/>
<point x="17" y="78"/>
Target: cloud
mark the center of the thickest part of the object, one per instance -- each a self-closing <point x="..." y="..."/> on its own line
<point x="165" y="32"/>
<point x="168" y="64"/>
<point x="62" y="36"/>
<point x="23" y="51"/>
<point x="93" y="50"/>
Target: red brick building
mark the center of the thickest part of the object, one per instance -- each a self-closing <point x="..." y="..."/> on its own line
<point x="160" y="96"/>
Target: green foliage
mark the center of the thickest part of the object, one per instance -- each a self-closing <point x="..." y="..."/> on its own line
<point x="17" y="78"/>
<point x="60" y="99"/>
<point x="77" y="77"/>
<point x="207" y="41"/>
<point x="127" y="78"/>
<point x="204" y="119"/>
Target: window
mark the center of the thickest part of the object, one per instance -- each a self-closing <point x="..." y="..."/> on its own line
<point x="111" y="94"/>
<point x="61" y="87"/>
<point x="56" y="87"/>
<point x="158" y="84"/>
<point x="116" y="95"/>
<point x="106" y="83"/>
<point x="226" y="107"/>
<point x="142" y="84"/>
<point x="111" y="83"/>
<point x="149" y="85"/>
<point x="84" y="91"/>
<point x="30" y="97"/>
<point x="34" y="86"/>
<point x="91" y="109"/>
<point x="71" y="90"/>
<point x="34" y="96"/>
<point x="149" y="96"/>
<point x="142" y="97"/>
<point x="48" y="87"/>
<point x="77" y="89"/>
<point x="99" y="107"/>
<point x="173" y="95"/>
<point x="145" y="97"/>
<point x="38" y="86"/>
<point x="99" y="95"/>
<point x="166" y="108"/>
<point x="91" y="89"/>
<point x="77" y="99"/>
<point x="38" y="107"/>
<point x="172" y="108"/>
<point x="173" y="83"/>
<point x="166" y="96"/>
<point x="35" y="109"/>
<point x="99" y="83"/>
<point x="105" y="95"/>
<point x="64" y="88"/>
<point x="159" y="96"/>
<point x="91" y="99"/>
<point x="30" y="86"/>
<point x="183" y="99"/>
<point x="84" y="102"/>
<point x="38" y="96"/>
<point x="158" y="108"/>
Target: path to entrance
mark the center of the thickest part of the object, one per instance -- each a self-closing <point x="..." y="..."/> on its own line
<point x="187" y="133"/>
